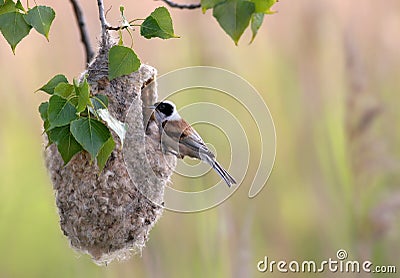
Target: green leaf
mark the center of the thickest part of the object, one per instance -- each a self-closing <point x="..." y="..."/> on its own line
<point x="91" y="134"/>
<point x="234" y="17"/>
<point x="49" y="87"/>
<point x="82" y="91"/>
<point x="43" y="110"/>
<point x="264" y="6"/>
<point x="99" y="101"/>
<point x="46" y="126"/>
<point x="158" y="24"/>
<point x="105" y="153"/>
<point x="14" y="28"/>
<point x="65" y="141"/>
<point x="7" y="7"/>
<point x="64" y="90"/>
<point x="121" y="61"/>
<point x="40" y="18"/>
<point x="209" y="4"/>
<point x="61" y="111"/>
<point x="256" y="21"/>
<point x="19" y="6"/>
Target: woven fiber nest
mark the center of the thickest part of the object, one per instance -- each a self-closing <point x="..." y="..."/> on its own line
<point x="109" y="214"/>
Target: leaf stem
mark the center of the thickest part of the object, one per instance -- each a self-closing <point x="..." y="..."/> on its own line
<point x="130" y="34"/>
<point x="137" y="19"/>
<point x="88" y="112"/>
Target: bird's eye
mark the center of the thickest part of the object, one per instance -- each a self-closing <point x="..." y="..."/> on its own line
<point x="162" y="106"/>
<point x="165" y="108"/>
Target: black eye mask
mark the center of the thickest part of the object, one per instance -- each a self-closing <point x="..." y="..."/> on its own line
<point x="165" y="108"/>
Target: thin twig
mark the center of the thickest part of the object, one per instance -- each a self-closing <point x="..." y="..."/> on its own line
<point x="102" y="16"/>
<point x="128" y="25"/>
<point x="181" y="6"/>
<point x="117" y="28"/>
<point x="83" y="31"/>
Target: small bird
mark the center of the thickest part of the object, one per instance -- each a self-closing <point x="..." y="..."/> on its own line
<point x="180" y="139"/>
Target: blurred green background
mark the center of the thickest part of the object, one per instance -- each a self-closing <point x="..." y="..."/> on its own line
<point x="329" y="72"/>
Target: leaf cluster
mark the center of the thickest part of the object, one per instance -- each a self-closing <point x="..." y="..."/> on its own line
<point x="71" y="120"/>
<point x="123" y="60"/>
<point x="234" y="16"/>
<point x="76" y="120"/>
<point x="16" y="22"/>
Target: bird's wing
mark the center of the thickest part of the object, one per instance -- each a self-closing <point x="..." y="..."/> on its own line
<point x="186" y="135"/>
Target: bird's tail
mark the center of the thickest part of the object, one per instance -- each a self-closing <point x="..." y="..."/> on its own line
<point x="222" y="172"/>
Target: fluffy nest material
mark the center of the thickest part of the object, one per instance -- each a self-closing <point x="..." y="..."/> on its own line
<point x="109" y="214"/>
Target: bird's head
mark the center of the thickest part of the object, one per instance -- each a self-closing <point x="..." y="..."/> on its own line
<point x="165" y="111"/>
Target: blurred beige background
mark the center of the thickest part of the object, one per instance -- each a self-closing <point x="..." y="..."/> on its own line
<point x="329" y="72"/>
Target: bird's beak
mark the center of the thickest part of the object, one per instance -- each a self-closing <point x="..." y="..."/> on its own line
<point x="151" y="107"/>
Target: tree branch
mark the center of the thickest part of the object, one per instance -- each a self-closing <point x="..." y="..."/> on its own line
<point x="102" y="16"/>
<point x="181" y="6"/>
<point x="83" y="31"/>
<point x="112" y="28"/>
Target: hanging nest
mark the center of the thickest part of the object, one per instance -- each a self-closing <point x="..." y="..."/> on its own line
<point x="109" y="214"/>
